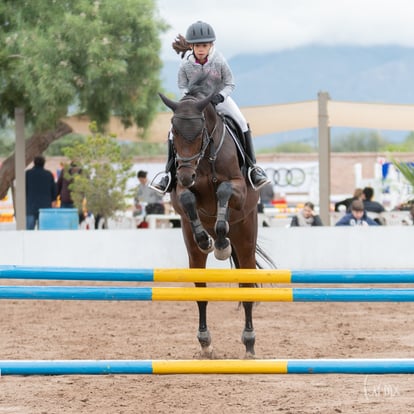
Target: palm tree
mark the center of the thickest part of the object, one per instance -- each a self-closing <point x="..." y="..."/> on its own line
<point x="407" y="170"/>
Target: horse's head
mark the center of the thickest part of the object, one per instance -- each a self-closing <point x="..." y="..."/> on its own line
<point x="190" y="135"/>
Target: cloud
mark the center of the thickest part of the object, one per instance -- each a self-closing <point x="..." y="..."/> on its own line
<point x="245" y="26"/>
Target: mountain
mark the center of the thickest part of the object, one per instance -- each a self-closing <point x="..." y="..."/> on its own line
<point x="348" y="73"/>
<point x="351" y="73"/>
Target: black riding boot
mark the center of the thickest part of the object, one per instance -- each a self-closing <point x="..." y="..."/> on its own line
<point x="166" y="182"/>
<point x="256" y="174"/>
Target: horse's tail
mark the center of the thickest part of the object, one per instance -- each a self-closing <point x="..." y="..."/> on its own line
<point x="180" y="45"/>
<point x="265" y="258"/>
<point x="260" y="254"/>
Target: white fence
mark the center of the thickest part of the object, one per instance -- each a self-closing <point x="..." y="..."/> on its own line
<point x="312" y="248"/>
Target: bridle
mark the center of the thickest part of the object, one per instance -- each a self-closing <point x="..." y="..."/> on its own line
<point x="205" y="142"/>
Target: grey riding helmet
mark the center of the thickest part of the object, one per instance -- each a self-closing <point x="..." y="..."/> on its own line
<point x="200" y="32"/>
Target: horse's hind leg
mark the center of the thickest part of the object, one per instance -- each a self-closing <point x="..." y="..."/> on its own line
<point x="203" y="334"/>
<point x="222" y="246"/>
<point x="248" y="335"/>
<point x="198" y="260"/>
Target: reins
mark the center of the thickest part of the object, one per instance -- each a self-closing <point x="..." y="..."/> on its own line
<point x="213" y="152"/>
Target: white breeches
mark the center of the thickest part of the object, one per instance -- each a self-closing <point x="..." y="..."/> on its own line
<point x="230" y="108"/>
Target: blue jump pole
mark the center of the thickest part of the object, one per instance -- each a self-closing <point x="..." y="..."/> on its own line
<point x="322" y="276"/>
<point x="105" y="293"/>
<point x="168" y="367"/>
<point x="355" y="276"/>
<point x="77" y="273"/>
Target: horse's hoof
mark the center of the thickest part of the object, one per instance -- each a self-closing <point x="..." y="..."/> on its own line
<point x="249" y="355"/>
<point x="206" y="245"/>
<point x="223" y="254"/>
<point x="207" y="353"/>
<point x="204" y="338"/>
<point x="248" y="339"/>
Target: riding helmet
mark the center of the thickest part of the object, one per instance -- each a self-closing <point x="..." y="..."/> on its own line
<point x="200" y="32"/>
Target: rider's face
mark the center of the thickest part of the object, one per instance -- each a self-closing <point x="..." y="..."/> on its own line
<point x="201" y="51"/>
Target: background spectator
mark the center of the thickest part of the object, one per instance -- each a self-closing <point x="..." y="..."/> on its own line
<point x="64" y="181"/>
<point x="306" y="217"/>
<point x="41" y="191"/>
<point x="369" y="203"/>
<point x="409" y="220"/>
<point x="348" y="201"/>
<point x="357" y="216"/>
<point x="152" y="200"/>
<point x="372" y="206"/>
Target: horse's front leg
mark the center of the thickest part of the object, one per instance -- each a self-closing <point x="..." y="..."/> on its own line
<point x="222" y="246"/>
<point x="201" y="237"/>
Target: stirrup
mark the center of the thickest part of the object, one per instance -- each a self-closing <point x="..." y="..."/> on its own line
<point x="153" y="185"/>
<point x="249" y="176"/>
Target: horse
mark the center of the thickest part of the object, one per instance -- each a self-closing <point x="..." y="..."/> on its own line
<point x="218" y="207"/>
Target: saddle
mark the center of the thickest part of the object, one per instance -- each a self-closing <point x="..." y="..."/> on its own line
<point x="238" y="137"/>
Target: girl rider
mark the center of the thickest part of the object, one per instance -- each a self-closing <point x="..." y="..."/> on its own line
<point x="204" y="58"/>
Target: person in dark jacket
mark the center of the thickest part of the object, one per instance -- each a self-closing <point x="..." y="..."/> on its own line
<point x="357" y="216"/>
<point x="369" y="204"/>
<point x="358" y="194"/>
<point x="306" y="217"/>
<point x="64" y="181"/>
<point x="372" y="206"/>
<point x="41" y="191"/>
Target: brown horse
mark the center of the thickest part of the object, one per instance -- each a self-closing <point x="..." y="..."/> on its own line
<point x="217" y="206"/>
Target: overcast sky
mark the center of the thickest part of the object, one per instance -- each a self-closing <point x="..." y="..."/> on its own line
<point x="270" y="25"/>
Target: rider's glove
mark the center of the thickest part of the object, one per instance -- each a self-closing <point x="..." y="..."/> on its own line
<point x="216" y="99"/>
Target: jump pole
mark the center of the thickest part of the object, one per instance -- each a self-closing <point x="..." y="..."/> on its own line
<point x="105" y="293"/>
<point x="169" y="367"/>
<point x="208" y="275"/>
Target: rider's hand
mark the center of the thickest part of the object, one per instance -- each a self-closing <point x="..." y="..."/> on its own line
<point x="216" y="99"/>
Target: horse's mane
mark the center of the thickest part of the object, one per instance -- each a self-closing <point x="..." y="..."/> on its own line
<point x="204" y="85"/>
<point x="199" y="87"/>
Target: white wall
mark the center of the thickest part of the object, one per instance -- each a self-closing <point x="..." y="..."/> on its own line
<point x="294" y="248"/>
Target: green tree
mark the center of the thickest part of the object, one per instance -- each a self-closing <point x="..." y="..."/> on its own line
<point x="290" y="147"/>
<point x="105" y="172"/>
<point x="6" y="139"/>
<point x="56" y="148"/>
<point x="406" y="146"/>
<point x="100" y="56"/>
<point x="360" y="141"/>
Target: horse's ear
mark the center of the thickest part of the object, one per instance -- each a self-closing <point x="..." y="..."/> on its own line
<point x="201" y="105"/>
<point x="171" y="104"/>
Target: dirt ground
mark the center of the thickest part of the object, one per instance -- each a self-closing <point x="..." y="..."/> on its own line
<point x="164" y="330"/>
